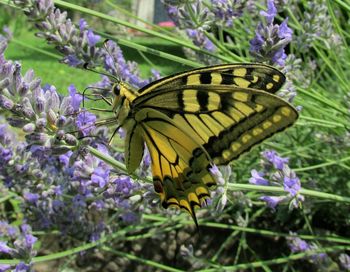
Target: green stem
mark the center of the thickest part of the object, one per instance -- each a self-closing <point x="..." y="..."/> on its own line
<point x="275" y="189"/>
<point x="322" y="100"/>
<point x="149" y="50"/>
<point x="140" y="260"/>
<point x="333" y="239"/>
<point x="342" y="4"/>
<point x="321" y="165"/>
<point x="321" y="121"/>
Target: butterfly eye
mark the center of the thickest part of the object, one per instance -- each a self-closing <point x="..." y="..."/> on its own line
<point x="116" y="89"/>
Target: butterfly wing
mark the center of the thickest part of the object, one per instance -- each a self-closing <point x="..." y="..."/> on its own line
<point x="245" y="75"/>
<point x="209" y="114"/>
<point x="225" y="120"/>
<point x="180" y="167"/>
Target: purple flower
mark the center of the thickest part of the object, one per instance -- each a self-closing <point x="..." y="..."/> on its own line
<point x="100" y="176"/>
<point x="227" y="10"/>
<point x="200" y="39"/>
<point x="257" y="42"/>
<point x="72" y="60"/>
<point x="282" y="176"/>
<point x="116" y="64"/>
<point x="22" y="267"/>
<point x="30" y="241"/>
<point x="271" y="39"/>
<point x="92" y="38"/>
<point x="297" y="245"/>
<point x="214" y="170"/>
<point x="79" y="201"/>
<point x="130" y="217"/>
<point x="4" y="248"/>
<point x="284" y="32"/>
<point x="291" y="185"/>
<point x="124" y="184"/>
<point x="86" y="122"/>
<point x="258" y="178"/>
<point x="82" y="24"/>
<point x="30" y="197"/>
<point x="4" y="267"/>
<point x="76" y="98"/>
<point x="277" y="161"/>
<point x="272" y="201"/>
<point x="271" y="12"/>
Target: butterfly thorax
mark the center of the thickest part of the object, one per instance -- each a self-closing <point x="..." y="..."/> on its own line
<point x="124" y="95"/>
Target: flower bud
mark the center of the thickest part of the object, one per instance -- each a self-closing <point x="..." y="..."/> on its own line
<point x="61" y="121"/>
<point x="41" y="123"/>
<point x="52" y="117"/>
<point x="6" y="103"/>
<point x="23" y="89"/>
<point x="35" y="84"/>
<point x="29" y="128"/>
<point x="39" y="104"/>
<point x="16" y="122"/>
<point x="37" y="138"/>
<point x="4" y="83"/>
<point x="70" y="139"/>
<point x="60" y="135"/>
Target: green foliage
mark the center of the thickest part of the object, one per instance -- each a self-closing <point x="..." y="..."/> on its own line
<point x="245" y="236"/>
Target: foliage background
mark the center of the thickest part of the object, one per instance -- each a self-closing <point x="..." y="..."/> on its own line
<point x="238" y="231"/>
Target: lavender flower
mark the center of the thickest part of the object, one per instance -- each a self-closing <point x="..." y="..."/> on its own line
<point x="282" y="175"/>
<point x="258" y="178"/>
<point x="79" y="44"/>
<point x="189" y="16"/>
<point x="60" y="185"/>
<point x="272" y="201"/>
<point x="5" y="267"/>
<point x="270" y="39"/>
<point x="22" y="267"/>
<point x="317" y="26"/>
<point x="277" y="161"/>
<point x="115" y="63"/>
<point x="18" y="246"/>
<point x="227" y="10"/>
<point x="200" y="40"/>
<point x="298" y="245"/>
<point x="194" y="19"/>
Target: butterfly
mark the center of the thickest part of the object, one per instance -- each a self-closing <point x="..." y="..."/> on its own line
<point x="194" y="119"/>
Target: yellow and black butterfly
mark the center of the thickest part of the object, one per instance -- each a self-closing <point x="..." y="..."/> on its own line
<point x="192" y="120"/>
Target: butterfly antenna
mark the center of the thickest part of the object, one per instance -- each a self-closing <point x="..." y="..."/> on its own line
<point x="97" y="95"/>
<point x="109" y="53"/>
<point x="86" y="67"/>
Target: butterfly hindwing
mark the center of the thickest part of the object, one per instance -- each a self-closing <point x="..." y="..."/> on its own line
<point x="180" y="167"/>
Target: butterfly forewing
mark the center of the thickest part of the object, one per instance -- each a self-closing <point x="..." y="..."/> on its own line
<point x="225" y="120"/>
<point x="255" y="76"/>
